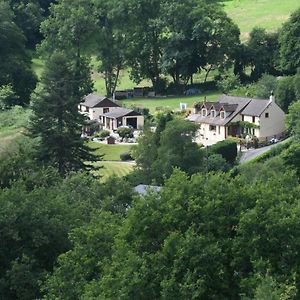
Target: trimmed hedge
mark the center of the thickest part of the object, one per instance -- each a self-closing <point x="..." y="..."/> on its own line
<point x="227" y="148"/>
<point x="125" y="156"/>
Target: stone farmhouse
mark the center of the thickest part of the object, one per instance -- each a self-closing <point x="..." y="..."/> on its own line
<point x="107" y="114"/>
<point x="237" y="116"/>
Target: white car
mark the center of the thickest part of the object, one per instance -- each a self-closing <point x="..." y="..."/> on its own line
<point x="273" y="141"/>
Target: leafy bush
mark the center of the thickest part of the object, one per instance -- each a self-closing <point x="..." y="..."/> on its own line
<point x="125" y="132"/>
<point x="125" y="156"/>
<point x="229" y="82"/>
<point x="104" y="133"/>
<point x="15" y="117"/>
<point x="227" y="148"/>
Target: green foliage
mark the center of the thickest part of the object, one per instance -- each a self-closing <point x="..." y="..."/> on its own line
<point x="289" y="44"/>
<point x="157" y="153"/>
<point x="125" y="156"/>
<point x="265" y="85"/>
<point x="227" y="148"/>
<point x="15" y="64"/>
<point x="56" y="120"/>
<point x="125" y="132"/>
<point x="229" y="82"/>
<point x="285" y="92"/>
<point x="291" y="157"/>
<point x="293" y="119"/>
<point x="216" y="162"/>
<point x="263" y="50"/>
<point x="104" y="133"/>
<point x="16" y="117"/>
<point x="7" y="96"/>
<point x="91" y="246"/>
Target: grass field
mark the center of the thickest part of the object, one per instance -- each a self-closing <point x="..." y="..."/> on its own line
<point x="118" y="169"/>
<point x="268" y="14"/>
<point x="110" y="152"/>
<point x="169" y="102"/>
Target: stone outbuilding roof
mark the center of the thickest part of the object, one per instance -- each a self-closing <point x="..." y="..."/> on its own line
<point x="94" y="100"/>
<point x="121" y="112"/>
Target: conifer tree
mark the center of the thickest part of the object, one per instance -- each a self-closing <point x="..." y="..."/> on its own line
<point x="56" y="121"/>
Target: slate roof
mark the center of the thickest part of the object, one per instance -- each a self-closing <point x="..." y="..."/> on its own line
<point x="121" y="112"/>
<point x="255" y="107"/>
<point x="143" y="189"/>
<point x="232" y="106"/>
<point x="94" y="100"/>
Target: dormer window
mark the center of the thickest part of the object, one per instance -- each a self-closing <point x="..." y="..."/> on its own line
<point x="203" y="112"/>
<point x="222" y="114"/>
<point x="213" y="113"/>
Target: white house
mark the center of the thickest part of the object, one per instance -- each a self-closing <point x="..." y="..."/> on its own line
<point x="108" y="114"/>
<point x="95" y="106"/>
<point x="235" y="116"/>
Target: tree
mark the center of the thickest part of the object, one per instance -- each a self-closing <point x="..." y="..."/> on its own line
<point x="263" y="50"/>
<point x="28" y="17"/>
<point x="15" y="63"/>
<point x="56" y="120"/>
<point x="177" y="149"/>
<point x="293" y="119"/>
<point x="265" y="86"/>
<point x="111" y="42"/>
<point x="7" y="96"/>
<point x="144" y="39"/>
<point x="229" y="82"/>
<point x="204" y="40"/>
<point x="289" y="44"/>
<point x="285" y="92"/>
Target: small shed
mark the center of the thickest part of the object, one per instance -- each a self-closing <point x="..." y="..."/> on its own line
<point x="111" y="140"/>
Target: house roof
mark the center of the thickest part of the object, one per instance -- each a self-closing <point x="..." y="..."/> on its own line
<point x="94" y="100"/>
<point x="121" y="112"/>
<point x="232" y="106"/>
<point x="256" y="107"/>
<point x="143" y="189"/>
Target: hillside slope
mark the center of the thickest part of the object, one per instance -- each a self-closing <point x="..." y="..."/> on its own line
<point x="269" y="14"/>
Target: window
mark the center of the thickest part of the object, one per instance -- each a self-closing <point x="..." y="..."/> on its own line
<point x="253" y="119"/>
<point x="219" y="129"/>
<point x="243" y="119"/>
<point x="204" y="112"/>
<point x="212" y="127"/>
<point x="105" y="110"/>
<point x="266" y="115"/>
<point x="212" y="113"/>
<point x="222" y="114"/>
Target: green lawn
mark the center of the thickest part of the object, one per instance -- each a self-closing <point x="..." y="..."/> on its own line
<point x="169" y="102"/>
<point x="269" y="14"/>
<point x="111" y="152"/>
<point x="118" y="169"/>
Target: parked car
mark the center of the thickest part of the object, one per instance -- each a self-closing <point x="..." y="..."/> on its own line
<point x="273" y="141"/>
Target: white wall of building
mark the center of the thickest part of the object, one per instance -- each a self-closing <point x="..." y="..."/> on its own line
<point x="273" y="125"/>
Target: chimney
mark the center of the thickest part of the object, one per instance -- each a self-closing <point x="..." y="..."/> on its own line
<point x="272" y="97"/>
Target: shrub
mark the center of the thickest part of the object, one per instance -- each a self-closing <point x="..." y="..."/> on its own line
<point x="125" y="156"/>
<point x="125" y="132"/>
<point x="227" y="148"/>
<point x="104" y="133"/>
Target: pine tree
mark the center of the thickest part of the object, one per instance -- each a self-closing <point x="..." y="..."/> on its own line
<point x="56" y="121"/>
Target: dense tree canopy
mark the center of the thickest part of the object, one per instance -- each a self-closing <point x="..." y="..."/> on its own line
<point x="289" y="44"/>
<point x="15" y="64"/>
